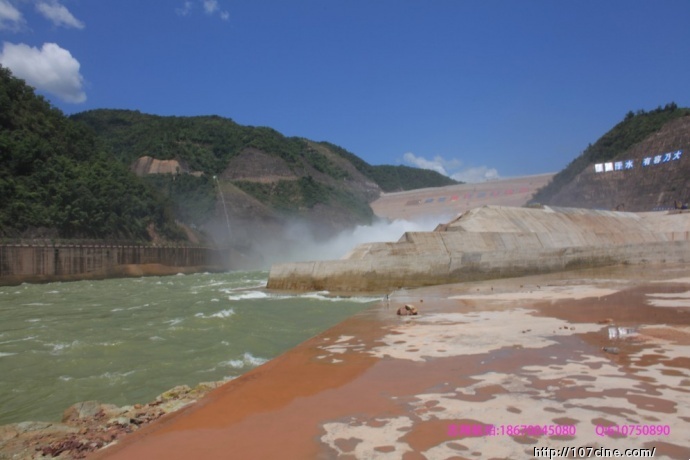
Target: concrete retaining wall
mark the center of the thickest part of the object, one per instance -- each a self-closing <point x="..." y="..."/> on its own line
<point x="493" y="242"/>
<point x="36" y="263"/>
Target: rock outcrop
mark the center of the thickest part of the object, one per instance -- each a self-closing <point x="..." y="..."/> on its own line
<point x="149" y="165"/>
<point x="90" y="425"/>
<point x="497" y="242"/>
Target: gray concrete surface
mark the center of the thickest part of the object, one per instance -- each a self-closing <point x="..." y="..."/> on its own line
<point x="497" y="242"/>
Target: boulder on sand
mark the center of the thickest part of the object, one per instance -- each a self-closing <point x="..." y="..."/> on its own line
<point x="407" y="310"/>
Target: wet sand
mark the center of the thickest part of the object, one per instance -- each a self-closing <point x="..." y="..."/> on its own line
<point x="523" y="351"/>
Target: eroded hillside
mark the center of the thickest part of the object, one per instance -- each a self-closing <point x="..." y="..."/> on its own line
<point x="641" y="164"/>
<point x="658" y="177"/>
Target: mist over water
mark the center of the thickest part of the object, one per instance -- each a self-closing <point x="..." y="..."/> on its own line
<point x="125" y="341"/>
<point x="298" y="242"/>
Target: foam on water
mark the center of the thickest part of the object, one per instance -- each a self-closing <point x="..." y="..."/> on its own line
<point x="114" y="376"/>
<point x="324" y="295"/>
<point x="248" y="360"/>
<point x="60" y="347"/>
<point x="249" y="295"/>
<point x="114" y="343"/>
<point x="23" y="339"/>
<point x="174" y="322"/>
<point x="221" y="314"/>
<point x="320" y="295"/>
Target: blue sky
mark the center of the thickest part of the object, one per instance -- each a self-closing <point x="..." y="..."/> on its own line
<point x="475" y="89"/>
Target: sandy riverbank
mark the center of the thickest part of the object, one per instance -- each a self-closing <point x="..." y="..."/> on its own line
<point x="525" y="351"/>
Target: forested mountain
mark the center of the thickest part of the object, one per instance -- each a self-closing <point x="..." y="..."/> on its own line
<point x="72" y="177"/>
<point x="56" y="181"/>
<point x="268" y="176"/>
<point x="641" y="134"/>
<point x="207" y="143"/>
<point x="392" y="178"/>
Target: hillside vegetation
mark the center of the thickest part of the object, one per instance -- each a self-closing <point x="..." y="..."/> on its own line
<point x="72" y="177"/>
<point x="394" y="178"/>
<point x="207" y="143"/>
<point x="636" y="127"/>
<point x="56" y="181"/>
<point x="293" y="176"/>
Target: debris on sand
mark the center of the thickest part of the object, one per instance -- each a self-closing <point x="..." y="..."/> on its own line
<point x="407" y="310"/>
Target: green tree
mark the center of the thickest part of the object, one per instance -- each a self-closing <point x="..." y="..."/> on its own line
<point x="55" y="176"/>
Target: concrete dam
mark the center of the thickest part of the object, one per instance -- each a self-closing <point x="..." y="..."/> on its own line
<point x="31" y="263"/>
<point x="497" y="242"/>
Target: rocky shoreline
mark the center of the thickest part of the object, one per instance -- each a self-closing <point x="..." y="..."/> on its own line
<point x="89" y="426"/>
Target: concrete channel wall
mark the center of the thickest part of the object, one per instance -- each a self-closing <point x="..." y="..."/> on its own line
<point x="37" y="263"/>
<point x="495" y="242"/>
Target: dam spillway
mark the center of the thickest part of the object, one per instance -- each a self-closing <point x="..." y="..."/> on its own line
<point x="497" y="242"/>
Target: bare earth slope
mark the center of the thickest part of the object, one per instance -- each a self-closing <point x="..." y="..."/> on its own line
<point x="640" y="188"/>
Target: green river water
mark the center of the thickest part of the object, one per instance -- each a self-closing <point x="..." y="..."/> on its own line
<point x="124" y="341"/>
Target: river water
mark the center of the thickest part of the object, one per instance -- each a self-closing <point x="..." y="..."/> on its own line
<point x="124" y="341"/>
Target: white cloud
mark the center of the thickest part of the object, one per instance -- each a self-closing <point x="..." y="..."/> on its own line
<point x="58" y="14"/>
<point x="210" y="6"/>
<point x="478" y="174"/>
<point x="185" y="9"/>
<point x="438" y="164"/>
<point x="451" y="168"/>
<point x="10" y="17"/>
<point x="51" y="69"/>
